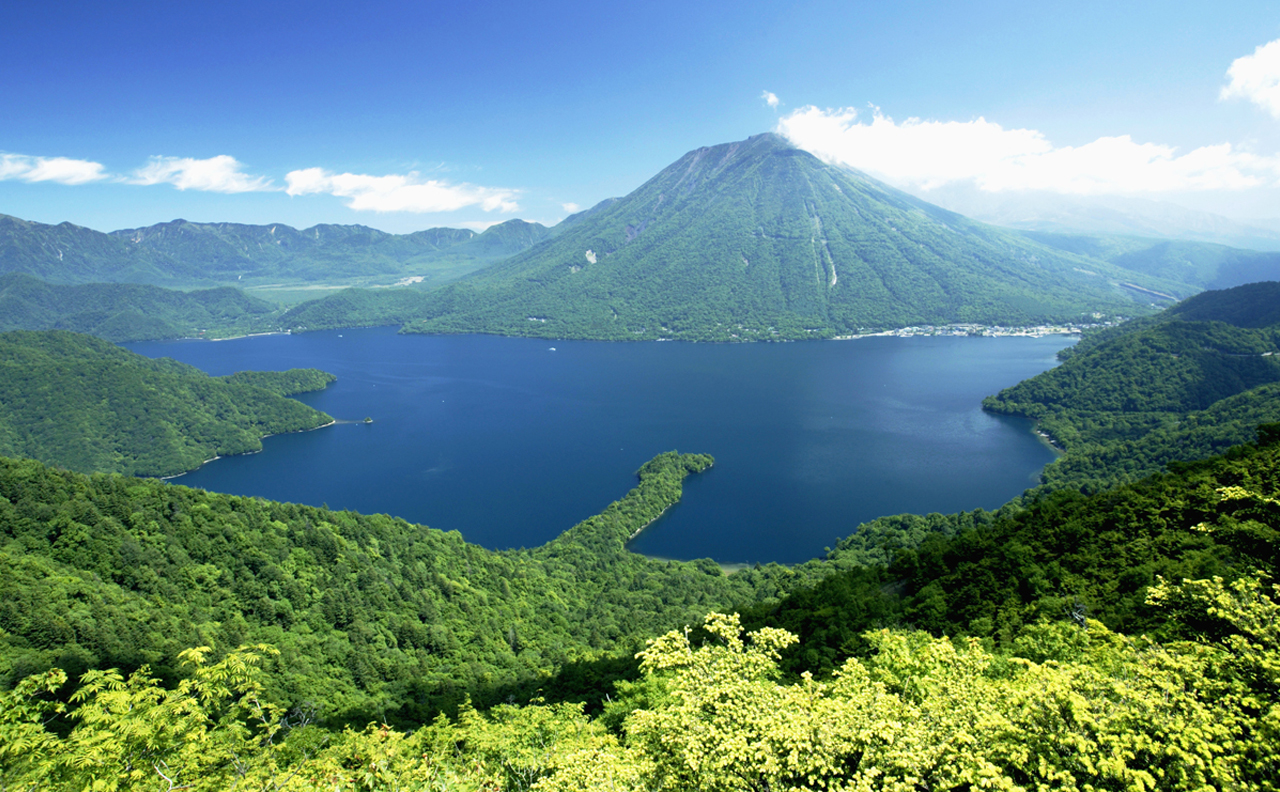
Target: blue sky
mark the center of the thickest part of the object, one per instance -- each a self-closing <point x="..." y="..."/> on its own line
<point x="405" y="116"/>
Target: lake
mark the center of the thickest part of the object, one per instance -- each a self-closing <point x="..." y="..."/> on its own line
<point x="510" y="441"/>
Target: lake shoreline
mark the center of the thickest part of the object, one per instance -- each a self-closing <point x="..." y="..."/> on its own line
<point x="214" y="458"/>
<point x="510" y="444"/>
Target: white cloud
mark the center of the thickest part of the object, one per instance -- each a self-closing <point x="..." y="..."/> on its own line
<point x="215" y="174"/>
<point x="929" y="154"/>
<point x="399" y="193"/>
<point x="570" y="207"/>
<point x="1256" y="77"/>
<point x="55" y="169"/>
<point x="770" y="98"/>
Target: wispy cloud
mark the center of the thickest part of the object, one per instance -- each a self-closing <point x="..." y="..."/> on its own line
<point x="570" y="207"/>
<point x="55" y="169"/>
<point x="223" y="174"/>
<point x="929" y="154"/>
<point x="399" y="193"/>
<point x="770" y="98"/>
<point x="1256" y="78"/>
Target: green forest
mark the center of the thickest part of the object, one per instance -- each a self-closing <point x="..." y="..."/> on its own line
<point x="1184" y="384"/>
<point x="84" y="404"/>
<point x="122" y="312"/>
<point x="378" y="618"/>
<point x="1117" y="627"/>
<point x="1122" y="640"/>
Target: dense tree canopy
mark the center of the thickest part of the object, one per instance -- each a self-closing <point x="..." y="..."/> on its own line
<point x="154" y="636"/>
<point x="372" y="615"/>
<point x="84" y="404"/>
<point x="1185" y="384"/>
<point x="1066" y="555"/>
<point x="1068" y="707"/>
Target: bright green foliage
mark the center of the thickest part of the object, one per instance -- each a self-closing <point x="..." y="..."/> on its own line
<point x="1106" y="712"/>
<point x="376" y="617"/>
<point x="1248" y="630"/>
<point x="130" y="733"/>
<point x="130" y="312"/>
<point x="25" y="711"/>
<point x="85" y="404"/>
<point x="1187" y="384"/>
<point x="373" y="616"/>
<point x="1064" y="556"/>
<point x="516" y="747"/>
<point x="1071" y="708"/>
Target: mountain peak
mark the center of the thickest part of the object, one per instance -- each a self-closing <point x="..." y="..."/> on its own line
<point x="763" y="143"/>
<point x="759" y="239"/>
<point x="756" y="146"/>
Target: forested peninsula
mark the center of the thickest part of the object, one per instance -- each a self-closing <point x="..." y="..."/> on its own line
<point x="1184" y="384"/>
<point x="82" y="403"/>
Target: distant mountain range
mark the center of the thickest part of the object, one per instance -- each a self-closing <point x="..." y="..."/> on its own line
<point x="182" y="254"/>
<point x="741" y="241"/>
<point x="1104" y="214"/>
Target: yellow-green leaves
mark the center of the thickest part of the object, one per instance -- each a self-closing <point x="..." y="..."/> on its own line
<point x="1082" y="708"/>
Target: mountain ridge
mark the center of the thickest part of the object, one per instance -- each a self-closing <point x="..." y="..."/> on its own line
<point x="185" y="254"/>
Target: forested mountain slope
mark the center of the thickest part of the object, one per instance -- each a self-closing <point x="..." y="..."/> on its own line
<point x="1251" y="305"/>
<point x="121" y="312"/>
<point x="1184" y="384"/>
<point x="1202" y="264"/>
<point x="1066" y="553"/>
<point x="82" y="403"/>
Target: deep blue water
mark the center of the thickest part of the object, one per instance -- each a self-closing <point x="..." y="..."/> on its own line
<point x="510" y="442"/>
